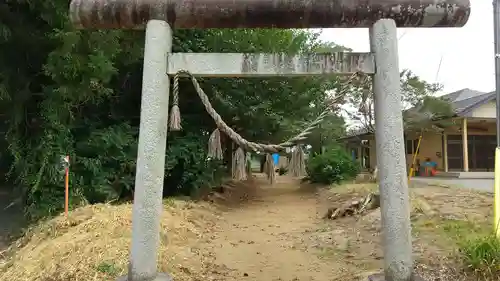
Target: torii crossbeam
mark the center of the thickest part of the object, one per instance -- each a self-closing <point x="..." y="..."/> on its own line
<point x="268" y="13"/>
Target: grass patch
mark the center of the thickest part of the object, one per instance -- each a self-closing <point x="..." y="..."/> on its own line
<point x="478" y="248"/>
<point x="459" y="230"/>
<point x="108" y="268"/>
<point x="449" y="233"/>
<point x="481" y="255"/>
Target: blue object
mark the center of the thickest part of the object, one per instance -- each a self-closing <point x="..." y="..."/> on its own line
<point x="276" y="158"/>
<point x="431" y="164"/>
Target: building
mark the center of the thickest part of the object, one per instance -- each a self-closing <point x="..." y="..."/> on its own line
<point x="464" y="149"/>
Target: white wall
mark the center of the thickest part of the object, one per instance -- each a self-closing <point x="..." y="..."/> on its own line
<point x="485" y="111"/>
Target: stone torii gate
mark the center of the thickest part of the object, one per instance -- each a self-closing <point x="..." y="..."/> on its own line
<point x="158" y="17"/>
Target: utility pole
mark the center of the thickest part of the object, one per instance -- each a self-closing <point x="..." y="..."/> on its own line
<point x="496" y="28"/>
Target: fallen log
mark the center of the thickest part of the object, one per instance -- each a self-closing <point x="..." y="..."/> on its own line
<point x="352" y="208"/>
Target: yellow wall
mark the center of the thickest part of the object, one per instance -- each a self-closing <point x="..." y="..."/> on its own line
<point x="430" y="145"/>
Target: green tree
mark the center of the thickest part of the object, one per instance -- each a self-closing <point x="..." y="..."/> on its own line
<point x="330" y="130"/>
<point x="77" y="93"/>
<point x="421" y="109"/>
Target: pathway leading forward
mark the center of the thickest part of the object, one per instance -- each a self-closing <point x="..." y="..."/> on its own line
<point x="263" y="241"/>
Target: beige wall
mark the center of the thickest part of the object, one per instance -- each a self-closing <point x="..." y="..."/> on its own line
<point x="485" y="111"/>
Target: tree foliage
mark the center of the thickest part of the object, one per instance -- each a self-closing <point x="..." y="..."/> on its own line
<point x="77" y="93"/>
<point x="328" y="132"/>
<point x="421" y="107"/>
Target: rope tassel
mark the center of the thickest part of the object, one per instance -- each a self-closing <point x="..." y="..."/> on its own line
<point x="214" y="145"/>
<point x="175" y="113"/>
<point x="297" y="162"/>
<point x="269" y="169"/>
<point x="239" y="166"/>
<point x="175" y="118"/>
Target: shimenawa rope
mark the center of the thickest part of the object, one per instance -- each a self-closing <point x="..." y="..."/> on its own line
<point x="239" y="159"/>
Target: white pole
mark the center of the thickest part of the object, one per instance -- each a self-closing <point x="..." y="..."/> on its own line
<point x="151" y="156"/>
<point x="391" y="163"/>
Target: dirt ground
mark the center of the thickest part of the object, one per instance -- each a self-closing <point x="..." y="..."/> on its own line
<point x="270" y="238"/>
<point x="256" y="232"/>
<point x="281" y="235"/>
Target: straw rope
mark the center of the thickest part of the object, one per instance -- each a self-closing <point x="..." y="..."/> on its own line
<point x="237" y="138"/>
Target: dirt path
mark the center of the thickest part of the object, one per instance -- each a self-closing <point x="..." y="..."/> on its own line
<point x="263" y="240"/>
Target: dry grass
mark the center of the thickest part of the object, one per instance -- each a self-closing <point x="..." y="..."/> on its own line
<point x="445" y="221"/>
<point x="94" y="245"/>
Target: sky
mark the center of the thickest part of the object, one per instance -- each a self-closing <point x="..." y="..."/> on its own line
<point x="466" y="54"/>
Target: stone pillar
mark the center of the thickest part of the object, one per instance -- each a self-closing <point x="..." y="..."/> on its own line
<point x="151" y="156"/>
<point x="391" y="160"/>
<point x="465" y="145"/>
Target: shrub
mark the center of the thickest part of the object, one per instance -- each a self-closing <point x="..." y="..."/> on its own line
<point x="282" y="171"/>
<point x="481" y="255"/>
<point x="106" y="163"/>
<point x="187" y="168"/>
<point x="332" y="166"/>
